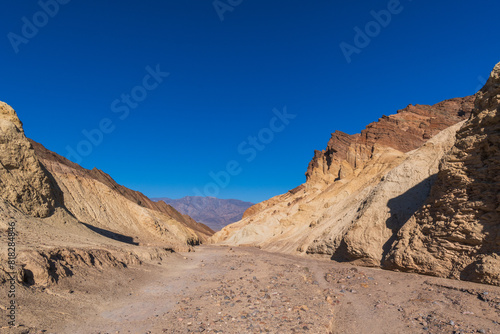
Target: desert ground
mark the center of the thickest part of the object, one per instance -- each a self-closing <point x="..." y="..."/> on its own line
<point x="219" y="289"/>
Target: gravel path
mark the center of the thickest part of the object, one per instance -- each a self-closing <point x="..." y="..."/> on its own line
<point x="246" y="290"/>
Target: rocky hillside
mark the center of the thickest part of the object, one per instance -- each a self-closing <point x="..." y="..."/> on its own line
<point x="405" y="131"/>
<point x="23" y="181"/>
<point x="214" y="212"/>
<point x="416" y="191"/>
<point x="66" y="216"/>
<point x="93" y="197"/>
<point x="360" y="190"/>
<point x="457" y="232"/>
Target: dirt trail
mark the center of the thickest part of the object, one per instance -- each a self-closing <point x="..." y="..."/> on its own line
<point x="246" y="290"/>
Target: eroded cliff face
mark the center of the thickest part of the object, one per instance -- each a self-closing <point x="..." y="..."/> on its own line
<point x="36" y="182"/>
<point x="60" y="165"/>
<point x="23" y="181"/>
<point x="416" y="191"/>
<point x="94" y="198"/>
<point x="352" y="219"/>
<point x="405" y="131"/>
<point x="457" y="233"/>
<point x="360" y="190"/>
<point x="66" y="216"/>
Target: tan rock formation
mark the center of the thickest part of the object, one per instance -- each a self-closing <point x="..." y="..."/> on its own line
<point x="23" y="181"/>
<point x="457" y="233"/>
<point x="68" y="217"/>
<point x="35" y="181"/>
<point x="405" y="131"/>
<point x="61" y="165"/>
<point x="95" y="199"/>
<point x="360" y="190"/>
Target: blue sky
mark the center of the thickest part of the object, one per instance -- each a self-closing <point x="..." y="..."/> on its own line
<point x="74" y="69"/>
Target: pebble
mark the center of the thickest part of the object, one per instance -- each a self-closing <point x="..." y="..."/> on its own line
<point x="285" y="300"/>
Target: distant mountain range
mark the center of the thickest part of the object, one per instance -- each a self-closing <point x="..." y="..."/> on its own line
<point x="213" y="212"/>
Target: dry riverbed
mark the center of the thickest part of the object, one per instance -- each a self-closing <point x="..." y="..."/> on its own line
<point x="246" y="290"/>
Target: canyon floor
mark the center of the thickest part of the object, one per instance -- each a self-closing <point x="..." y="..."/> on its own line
<point x="246" y="290"/>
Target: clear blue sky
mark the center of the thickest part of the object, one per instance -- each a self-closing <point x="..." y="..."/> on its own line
<point x="226" y="77"/>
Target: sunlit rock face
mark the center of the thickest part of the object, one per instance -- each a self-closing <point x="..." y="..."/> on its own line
<point x="457" y="233"/>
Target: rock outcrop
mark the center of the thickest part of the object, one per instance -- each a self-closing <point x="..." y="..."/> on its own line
<point x="23" y="181"/>
<point x="67" y="219"/>
<point x="60" y="165"/>
<point x="457" y="233"/>
<point x="416" y="191"/>
<point x="405" y="131"/>
<point x="360" y="191"/>
<point x="39" y="183"/>
<point x="95" y="199"/>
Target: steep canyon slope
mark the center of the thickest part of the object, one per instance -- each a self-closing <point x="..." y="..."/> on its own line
<point x="457" y="233"/>
<point x="66" y="216"/>
<point x="359" y="190"/>
<point x="23" y="181"/>
<point x="368" y="197"/>
<point x="93" y="197"/>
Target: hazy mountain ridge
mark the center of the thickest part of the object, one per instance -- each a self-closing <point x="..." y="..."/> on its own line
<point x="214" y="212"/>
